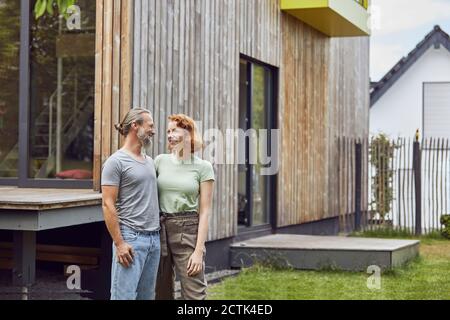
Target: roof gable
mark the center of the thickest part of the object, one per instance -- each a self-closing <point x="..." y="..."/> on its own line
<point x="437" y="37"/>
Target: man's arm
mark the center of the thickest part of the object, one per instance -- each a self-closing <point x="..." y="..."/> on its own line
<point x="124" y="250"/>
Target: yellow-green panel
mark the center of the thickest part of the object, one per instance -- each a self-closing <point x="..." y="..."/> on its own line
<point x="335" y="18"/>
<point x="352" y="12"/>
<point x="303" y="4"/>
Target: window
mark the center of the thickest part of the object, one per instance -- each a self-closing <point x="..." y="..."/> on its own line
<point x="436" y="110"/>
<point x="257" y="111"/>
<point x="9" y="88"/>
<point x="56" y="108"/>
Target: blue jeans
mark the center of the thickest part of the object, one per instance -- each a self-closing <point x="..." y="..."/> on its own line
<point x="139" y="280"/>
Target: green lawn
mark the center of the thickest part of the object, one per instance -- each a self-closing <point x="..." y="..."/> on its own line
<point x="428" y="277"/>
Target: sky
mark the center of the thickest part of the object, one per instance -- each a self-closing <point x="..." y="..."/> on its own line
<point x="398" y="26"/>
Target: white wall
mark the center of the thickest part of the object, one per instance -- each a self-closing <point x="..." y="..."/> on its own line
<point x="398" y="112"/>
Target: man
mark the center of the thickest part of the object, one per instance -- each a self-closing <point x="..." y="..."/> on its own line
<point x="131" y="210"/>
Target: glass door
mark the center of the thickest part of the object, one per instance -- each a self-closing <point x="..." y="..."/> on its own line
<point x="257" y="110"/>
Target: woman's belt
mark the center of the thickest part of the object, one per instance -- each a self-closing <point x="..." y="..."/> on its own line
<point x="184" y="214"/>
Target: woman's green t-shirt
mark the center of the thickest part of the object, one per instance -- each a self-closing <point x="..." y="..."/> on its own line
<point x="179" y="182"/>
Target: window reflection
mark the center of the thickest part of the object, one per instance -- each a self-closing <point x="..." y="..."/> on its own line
<point x="62" y="64"/>
<point x="260" y="214"/>
<point x="255" y="91"/>
<point x="9" y="87"/>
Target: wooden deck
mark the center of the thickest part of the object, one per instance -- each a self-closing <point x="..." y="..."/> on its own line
<point x="317" y="252"/>
<point x="28" y="211"/>
<point x="46" y="199"/>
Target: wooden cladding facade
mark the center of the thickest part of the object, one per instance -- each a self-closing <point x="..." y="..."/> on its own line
<point x="185" y="59"/>
<point x="324" y="102"/>
<point x="112" y="76"/>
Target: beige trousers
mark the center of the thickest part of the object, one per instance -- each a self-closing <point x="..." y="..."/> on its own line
<point x="178" y="242"/>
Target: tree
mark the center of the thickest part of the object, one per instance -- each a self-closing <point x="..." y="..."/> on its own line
<point x="49" y="6"/>
<point x="381" y="155"/>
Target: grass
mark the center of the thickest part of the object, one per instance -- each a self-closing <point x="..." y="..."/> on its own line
<point x="427" y="277"/>
<point x="390" y="233"/>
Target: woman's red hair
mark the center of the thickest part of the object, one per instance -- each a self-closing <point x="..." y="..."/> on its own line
<point x="187" y="123"/>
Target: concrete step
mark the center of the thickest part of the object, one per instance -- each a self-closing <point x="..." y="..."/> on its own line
<point x="317" y="252"/>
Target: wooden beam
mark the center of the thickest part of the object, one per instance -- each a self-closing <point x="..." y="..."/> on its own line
<point x="116" y="74"/>
<point x="24" y="258"/>
<point x="108" y="37"/>
<point x="98" y="95"/>
<point x="113" y="77"/>
<point x="53" y="253"/>
<point x="126" y="44"/>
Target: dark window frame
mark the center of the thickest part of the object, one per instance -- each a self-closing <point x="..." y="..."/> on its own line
<point x="23" y="181"/>
<point x="271" y="98"/>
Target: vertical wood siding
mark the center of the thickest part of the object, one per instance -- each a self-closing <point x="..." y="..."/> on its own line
<point x="112" y="76"/>
<point x="185" y="59"/>
<point x="324" y="100"/>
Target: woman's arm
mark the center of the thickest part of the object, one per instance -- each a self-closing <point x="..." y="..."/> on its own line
<point x="195" y="264"/>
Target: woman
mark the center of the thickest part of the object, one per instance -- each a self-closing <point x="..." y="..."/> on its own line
<point x="185" y="187"/>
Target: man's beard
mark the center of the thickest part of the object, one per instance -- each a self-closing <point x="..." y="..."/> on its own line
<point x="145" y="139"/>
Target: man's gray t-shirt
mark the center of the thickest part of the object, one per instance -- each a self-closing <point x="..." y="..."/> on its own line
<point x="137" y="202"/>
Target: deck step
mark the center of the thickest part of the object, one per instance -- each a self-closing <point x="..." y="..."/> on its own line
<point x="318" y="252"/>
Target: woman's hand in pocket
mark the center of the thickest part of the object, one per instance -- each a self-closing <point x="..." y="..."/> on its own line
<point x="195" y="264"/>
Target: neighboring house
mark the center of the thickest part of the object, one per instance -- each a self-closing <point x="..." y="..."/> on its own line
<point x="415" y="93"/>
<point x="300" y="67"/>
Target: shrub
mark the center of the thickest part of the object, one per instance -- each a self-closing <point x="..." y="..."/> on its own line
<point x="381" y="155"/>
<point x="445" y="221"/>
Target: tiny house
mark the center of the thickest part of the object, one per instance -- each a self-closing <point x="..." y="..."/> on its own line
<point x="299" y="69"/>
